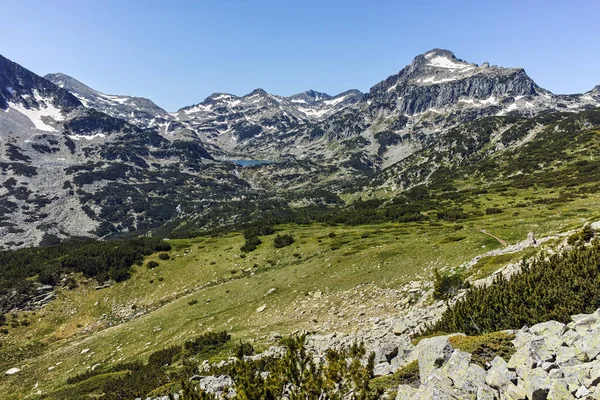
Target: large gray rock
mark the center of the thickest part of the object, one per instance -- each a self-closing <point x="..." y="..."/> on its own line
<point x="439" y="387"/>
<point x="576" y="375"/>
<point x="466" y="377"/>
<point x="407" y="392"/>
<point x="498" y="376"/>
<point x="514" y="392"/>
<point x="432" y="353"/>
<point x="536" y="383"/>
<point x="591" y="343"/>
<point x="218" y="385"/>
<point x="532" y="353"/>
<point x="559" y="391"/>
<point x="566" y="356"/>
<point x="386" y="352"/>
<point x="550" y="328"/>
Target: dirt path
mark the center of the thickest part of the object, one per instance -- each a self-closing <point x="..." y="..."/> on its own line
<point x="502" y="242"/>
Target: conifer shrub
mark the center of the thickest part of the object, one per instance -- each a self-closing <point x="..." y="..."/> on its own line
<point x="447" y="285"/>
<point x="549" y="287"/>
<point x="283" y="240"/>
<point x="251" y="244"/>
<point x="152" y="264"/>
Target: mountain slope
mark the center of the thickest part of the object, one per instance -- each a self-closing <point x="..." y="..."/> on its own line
<point x="71" y="170"/>
<point x="136" y="110"/>
<point x="124" y="165"/>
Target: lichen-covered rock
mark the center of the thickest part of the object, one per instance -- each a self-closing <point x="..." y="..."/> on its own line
<point x="559" y="391"/>
<point x="432" y="353"/>
<point x="499" y="376"/>
<point x="536" y="383"/>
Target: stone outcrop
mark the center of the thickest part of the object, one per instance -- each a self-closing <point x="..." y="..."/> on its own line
<point x="552" y="361"/>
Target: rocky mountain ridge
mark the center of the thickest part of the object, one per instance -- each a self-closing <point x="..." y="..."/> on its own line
<point x="67" y="146"/>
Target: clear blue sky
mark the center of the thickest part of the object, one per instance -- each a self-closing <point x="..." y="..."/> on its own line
<point x="178" y="52"/>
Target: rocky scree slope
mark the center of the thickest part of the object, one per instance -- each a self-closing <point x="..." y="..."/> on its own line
<point x="68" y="170"/>
<point x="552" y="361"/>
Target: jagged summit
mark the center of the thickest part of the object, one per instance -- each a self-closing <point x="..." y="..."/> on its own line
<point x="596" y="89"/>
<point x="309" y="97"/>
<point x="438" y="78"/>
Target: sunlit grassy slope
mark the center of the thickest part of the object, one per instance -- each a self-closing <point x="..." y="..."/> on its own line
<point x="316" y="281"/>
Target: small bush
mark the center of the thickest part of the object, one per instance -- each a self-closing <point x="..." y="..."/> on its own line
<point x="164" y="357"/>
<point x="192" y="302"/>
<point x="283" y="240"/>
<point x="446" y="285"/>
<point x="244" y="349"/>
<point x="152" y="264"/>
<point x="164" y="256"/>
<point x="332" y="234"/>
<point x="251" y="244"/>
<point x="493" y="210"/>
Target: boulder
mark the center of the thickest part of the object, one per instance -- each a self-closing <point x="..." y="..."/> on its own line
<point x="536" y="383"/>
<point x="591" y="343"/>
<point x="466" y="377"/>
<point x="215" y="384"/>
<point x="593" y="378"/>
<point x="432" y="353"/>
<point x="498" y="376"/>
<point x="438" y="387"/>
<point x="534" y="352"/>
<point x="399" y="328"/>
<point x="582" y="392"/>
<point x="386" y="352"/>
<point x="550" y="328"/>
<point x="261" y="308"/>
<point x="575" y="375"/>
<point x="407" y="392"/>
<point x="383" y="369"/>
<point x="566" y="356"/>
<point x="484" y="393"/>
<point x="12" y="371"/>
<point x="515" y="392"/>
<point x="559" y="391"/>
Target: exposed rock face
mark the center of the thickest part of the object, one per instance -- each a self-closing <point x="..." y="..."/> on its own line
<point x="65" y="167"/>
<point x="21" y="86"/>
<point x="65" y="143"/>
<point x="437" y="79"/>
<point x="136" y="110"/>
<point x="552" y="361"/>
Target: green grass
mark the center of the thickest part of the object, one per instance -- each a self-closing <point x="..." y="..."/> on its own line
<point x="229" y="288"/>
<point x="406" y="375"/>
<point x="485" y="348"/>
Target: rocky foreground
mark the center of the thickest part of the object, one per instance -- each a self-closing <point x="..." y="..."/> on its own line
<point x="553" y="361"/>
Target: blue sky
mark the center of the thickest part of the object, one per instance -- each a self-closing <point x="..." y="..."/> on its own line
<point x="178" y="52"/>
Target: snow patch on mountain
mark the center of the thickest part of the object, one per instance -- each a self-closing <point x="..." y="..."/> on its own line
<point x="37" y="116"/>
<point x="445" y="62"/>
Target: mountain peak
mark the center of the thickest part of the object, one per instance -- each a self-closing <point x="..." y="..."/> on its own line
<point x="440" y="59"/>
<point x="439" y="53"/>
<point x="596" y="89"/>
<point x="310" y="96"/>
<point x="259" y="91"/>
<point x="68" y="83"/>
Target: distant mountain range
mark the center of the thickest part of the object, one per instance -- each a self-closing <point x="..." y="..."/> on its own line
<point x="75" y="161"/>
